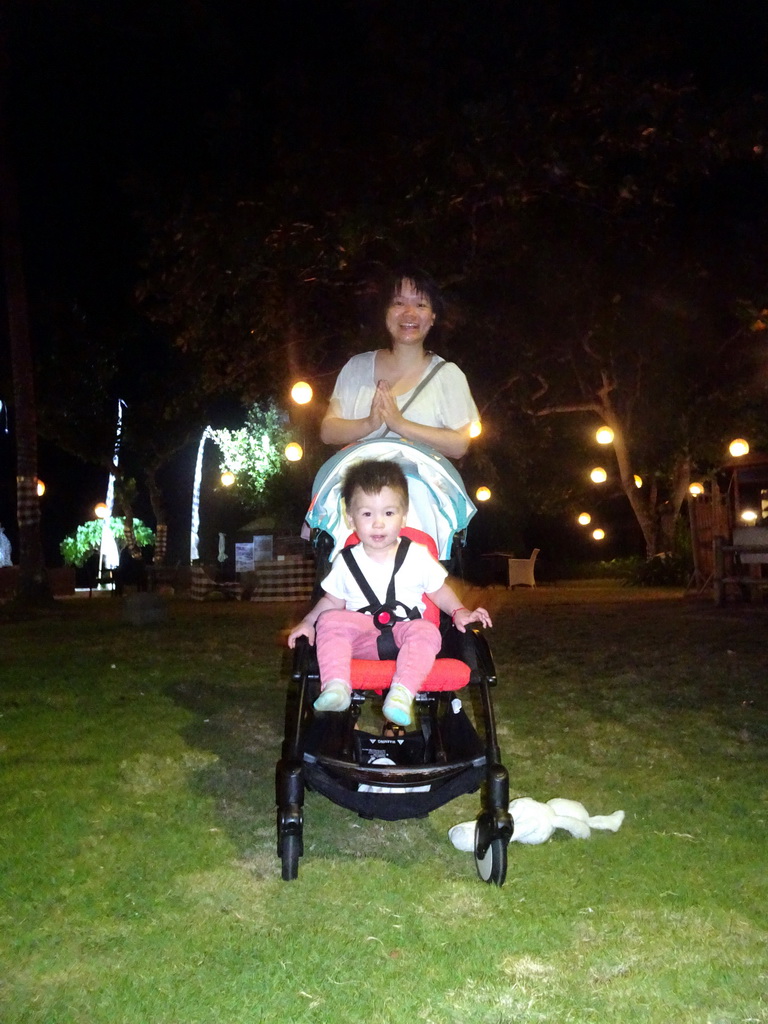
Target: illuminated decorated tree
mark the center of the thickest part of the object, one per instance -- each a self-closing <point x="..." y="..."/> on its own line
<point x="86" y="541"/>
<point x="255" y="453"/>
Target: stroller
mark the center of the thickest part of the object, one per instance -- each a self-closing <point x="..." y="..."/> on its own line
<point x="397" y="774"/>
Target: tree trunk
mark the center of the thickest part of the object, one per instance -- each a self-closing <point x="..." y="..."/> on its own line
<point x="656" y="521"/>
<point x="158" y="507"/>
<point x="33" y="584"/>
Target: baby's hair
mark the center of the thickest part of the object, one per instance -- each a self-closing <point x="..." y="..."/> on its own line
<point x="372" y="476"/>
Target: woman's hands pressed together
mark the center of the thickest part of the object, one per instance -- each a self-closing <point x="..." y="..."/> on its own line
<point x="384" y="407"/>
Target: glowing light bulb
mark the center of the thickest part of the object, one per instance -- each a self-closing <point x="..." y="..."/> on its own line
<point x="301" y="392"/>
<point x="738" y="447"/>
<point x="475" y="429"/>
<point x="598" y="475"/>
<point x="40" y="488"/>
<point x="598" y="534"/>
<point x="749" y="515"/>
<point x="227" y="478"/>
<point x="294" y="452"/>
<point x="696" y="488"/>
<point x="100" y="510"/>
<point x="585" y="519"/>
<point x="483" y="493"/>
<point x="638" y="481"/>
<point x="604" y="435"/>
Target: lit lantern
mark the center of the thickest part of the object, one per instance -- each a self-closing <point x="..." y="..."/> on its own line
<point x="598" y="534"/>
<point x="227" y="478"/>
<point x="100" y="510"/>
<point x="483" y="493"/>
<point x="738" y="447"/>
<point x="598" y="475"/>
<point x="749" y="515"/>
<point x="604" y="435"/>
<point x="294" y="452"/>
<point x="585" y="519"/>
<point x="638" y="481"/>
<point x="301" y="393"/>
<point x="40" y="488"/>
<point x="475" y="429"/>
<point x="696" y="488"/>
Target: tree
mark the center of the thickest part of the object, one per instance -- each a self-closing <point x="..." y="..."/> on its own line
<point x="33" y="585"/>
<point x="86" y="541"/>
<point x="254" y="453"/>
<point x="563" y="199"/>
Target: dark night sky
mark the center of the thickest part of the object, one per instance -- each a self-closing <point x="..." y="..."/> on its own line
<point x="100" y="94"/>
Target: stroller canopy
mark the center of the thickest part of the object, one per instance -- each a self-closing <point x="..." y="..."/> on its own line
<point x="438" y="502"/>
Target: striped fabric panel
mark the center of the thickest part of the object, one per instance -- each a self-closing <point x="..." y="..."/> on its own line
<point x="202" y="585"/>
<point x="27" y="501"/>
<point x="284" y="581"/>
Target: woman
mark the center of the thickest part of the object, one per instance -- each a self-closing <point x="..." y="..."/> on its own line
<point x="374" y="387"/>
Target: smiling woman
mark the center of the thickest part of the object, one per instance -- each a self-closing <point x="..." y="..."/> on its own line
<point x="374" y="390"/>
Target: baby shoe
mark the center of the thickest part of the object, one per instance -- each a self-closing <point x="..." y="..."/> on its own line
<point x="398" y="705"/>
<point x="336" y="696"/>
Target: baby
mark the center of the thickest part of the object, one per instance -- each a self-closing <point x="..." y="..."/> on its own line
<point x="376" y="502"/>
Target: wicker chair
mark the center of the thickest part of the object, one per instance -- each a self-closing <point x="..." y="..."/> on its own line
<point x="520" y="571"/>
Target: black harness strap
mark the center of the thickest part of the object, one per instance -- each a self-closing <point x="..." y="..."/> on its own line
<point x="384" y="615"/>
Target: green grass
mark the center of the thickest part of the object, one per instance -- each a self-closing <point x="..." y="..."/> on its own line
<point x="137" y="861"/>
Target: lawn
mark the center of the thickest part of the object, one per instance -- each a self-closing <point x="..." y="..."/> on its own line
<point x="137" y="852"/>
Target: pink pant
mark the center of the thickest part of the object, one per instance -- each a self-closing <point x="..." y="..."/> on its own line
<point x="343" y="635"/>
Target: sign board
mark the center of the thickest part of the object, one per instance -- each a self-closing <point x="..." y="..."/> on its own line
<point x="262" y="547"/>
<point x="243" y="557"/>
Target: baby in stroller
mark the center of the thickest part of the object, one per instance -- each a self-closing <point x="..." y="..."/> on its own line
<point x="350" y="619"/>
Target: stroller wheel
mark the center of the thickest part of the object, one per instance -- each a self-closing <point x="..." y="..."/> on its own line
<point x="290" y="850"/>
<point x="490" y="855"/>
<point x="290" y="819"/>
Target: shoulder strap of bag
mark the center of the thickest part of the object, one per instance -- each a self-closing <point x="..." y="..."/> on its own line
<point x="420" y="387"/>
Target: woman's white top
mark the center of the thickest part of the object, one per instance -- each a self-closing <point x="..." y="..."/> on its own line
<point x="446" y="401"/>
<point x="419" y="574"/>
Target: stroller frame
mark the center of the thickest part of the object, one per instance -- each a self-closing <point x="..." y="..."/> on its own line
<point x="322" y="752"/>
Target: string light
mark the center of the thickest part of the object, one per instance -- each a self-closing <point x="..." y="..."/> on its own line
<point x="738" y="447"/>
<point x="604" y="435"/>
<point x="301" y="392"/>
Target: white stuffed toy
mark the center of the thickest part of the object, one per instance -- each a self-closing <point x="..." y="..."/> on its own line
<point x="535" y="822"/>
